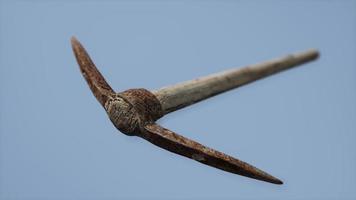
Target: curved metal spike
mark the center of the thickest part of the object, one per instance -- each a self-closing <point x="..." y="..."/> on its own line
<point x="100" y="88"/>
<point x="178" y="144"/>
<point x="134" y="111"/>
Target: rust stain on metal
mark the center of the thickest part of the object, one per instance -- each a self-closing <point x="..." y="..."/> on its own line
<point x="135" y="111"/>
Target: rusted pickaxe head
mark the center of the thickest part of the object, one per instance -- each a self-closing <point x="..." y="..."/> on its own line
<point x="135" y="111"/>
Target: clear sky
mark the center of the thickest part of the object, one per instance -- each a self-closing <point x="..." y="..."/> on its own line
<point x="56" y="141"/>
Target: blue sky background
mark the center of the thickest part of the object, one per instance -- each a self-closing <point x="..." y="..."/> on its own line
<point x="56" y="141"/>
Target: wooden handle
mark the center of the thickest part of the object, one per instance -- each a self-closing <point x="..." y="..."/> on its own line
<point x="187" y="93"/>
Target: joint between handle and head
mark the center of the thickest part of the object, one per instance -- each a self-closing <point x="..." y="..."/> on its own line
<point x="134" y="111"/>
<point x="130" y="110"/>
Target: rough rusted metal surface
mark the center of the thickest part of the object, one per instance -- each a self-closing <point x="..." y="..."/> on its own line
<point x="135" y="111"/>
<point x="132" y="109"/>
<point x="175" y="143"/>
<point x="100" y="88"/>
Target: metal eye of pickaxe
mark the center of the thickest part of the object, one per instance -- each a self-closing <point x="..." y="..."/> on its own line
<point x="135" y="111"/>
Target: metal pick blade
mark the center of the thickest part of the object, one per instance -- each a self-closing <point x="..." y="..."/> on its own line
<point x="178" y="144"/>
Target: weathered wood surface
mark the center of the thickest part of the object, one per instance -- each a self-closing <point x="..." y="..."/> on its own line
<point x="135" y="111"/>
<point x="186" y="93"/>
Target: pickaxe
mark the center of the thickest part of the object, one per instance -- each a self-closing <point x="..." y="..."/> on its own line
<point x="135" y="111"/>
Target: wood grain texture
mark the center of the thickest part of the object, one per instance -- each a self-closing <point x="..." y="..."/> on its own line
<point x="135" y="111"/>
<point x="187" y="93"/>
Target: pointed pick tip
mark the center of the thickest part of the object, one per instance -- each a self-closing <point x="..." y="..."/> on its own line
<point x="277" y="181"/>
<point x="269" y="178"/>
<point x="253" y="172"/>
<point x="73" y="40"/>
<point x="75" y="43"/>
